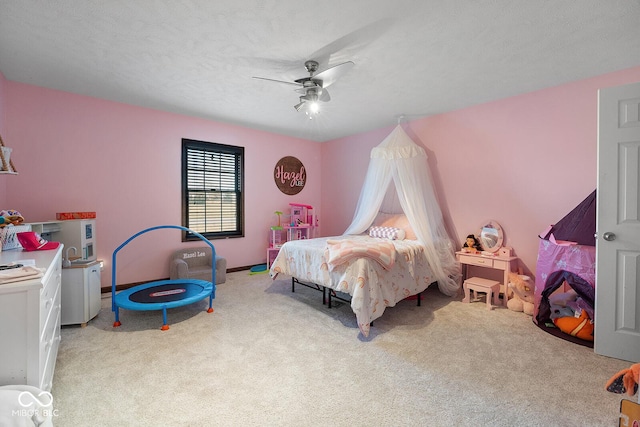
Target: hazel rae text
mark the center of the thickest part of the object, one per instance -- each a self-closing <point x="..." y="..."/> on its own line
<point x="294" y="178"/>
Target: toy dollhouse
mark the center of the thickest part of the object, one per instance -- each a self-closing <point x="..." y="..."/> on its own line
<point x="300" y="225"/>
<point x="301" y="222"/>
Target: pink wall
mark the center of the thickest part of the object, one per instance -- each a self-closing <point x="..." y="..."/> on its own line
<point x="76" y="153"/>
<point x="3" y="97"/>
<point x="344" y="165"/>
<point x="524" y="161"/>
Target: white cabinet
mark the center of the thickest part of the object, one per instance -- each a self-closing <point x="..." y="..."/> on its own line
<point x="30" y="321"/>
<point x="80" y="293"/>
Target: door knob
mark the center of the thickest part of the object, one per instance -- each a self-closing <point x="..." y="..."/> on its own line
<point x="609" y="236"/>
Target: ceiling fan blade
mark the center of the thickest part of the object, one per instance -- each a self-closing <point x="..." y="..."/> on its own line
<point x="279" y="81"/>
<point x="330" y="75"/>
<point x="303" y="80"/>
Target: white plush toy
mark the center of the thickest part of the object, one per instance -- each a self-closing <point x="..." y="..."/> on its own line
<point x="523" y="293"/>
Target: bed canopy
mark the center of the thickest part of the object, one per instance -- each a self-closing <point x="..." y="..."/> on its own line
<point x="401" y="161"/>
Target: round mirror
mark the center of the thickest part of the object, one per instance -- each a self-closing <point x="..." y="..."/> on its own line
<point x="491" y="236"/>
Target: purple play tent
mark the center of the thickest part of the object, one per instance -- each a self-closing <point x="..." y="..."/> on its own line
<point x="567" y="259"/>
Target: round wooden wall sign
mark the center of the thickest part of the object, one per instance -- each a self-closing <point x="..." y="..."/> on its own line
<point x="290" y="175"/>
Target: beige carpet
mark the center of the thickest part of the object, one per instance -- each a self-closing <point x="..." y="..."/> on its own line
<point x="269" y="357"/>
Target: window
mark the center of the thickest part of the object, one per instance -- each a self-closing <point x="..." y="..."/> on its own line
<point x="212" y="189"/>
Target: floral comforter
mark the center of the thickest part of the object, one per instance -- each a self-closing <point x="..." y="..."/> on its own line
<point x="372" y="287"/>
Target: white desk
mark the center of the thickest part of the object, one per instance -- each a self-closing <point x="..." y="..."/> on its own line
<point x="506" y="264"/>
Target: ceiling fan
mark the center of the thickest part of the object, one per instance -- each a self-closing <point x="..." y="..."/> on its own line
<point x="313" y="89"/>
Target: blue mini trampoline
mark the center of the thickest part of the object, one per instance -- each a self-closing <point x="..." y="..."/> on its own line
<point x="162" y="294"/>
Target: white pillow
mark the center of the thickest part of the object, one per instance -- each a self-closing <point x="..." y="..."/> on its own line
<point x="396" y="221"/>
<point x="390" y="233"/>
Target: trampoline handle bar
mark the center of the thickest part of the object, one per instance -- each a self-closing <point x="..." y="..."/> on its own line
<point x="126" y="242"/>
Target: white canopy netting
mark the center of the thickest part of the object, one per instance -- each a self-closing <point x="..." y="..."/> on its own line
<point x="402" y="161"/>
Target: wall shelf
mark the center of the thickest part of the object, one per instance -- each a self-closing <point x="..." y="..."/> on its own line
<point x="6" y="164"/>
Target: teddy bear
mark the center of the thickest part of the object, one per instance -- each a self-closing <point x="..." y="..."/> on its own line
<point x="522" y="291"/>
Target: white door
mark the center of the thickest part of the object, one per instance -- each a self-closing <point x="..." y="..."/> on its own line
<point x="617" y="311"/>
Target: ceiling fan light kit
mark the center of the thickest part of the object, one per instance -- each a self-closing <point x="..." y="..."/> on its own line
<point x="313" y="88"/>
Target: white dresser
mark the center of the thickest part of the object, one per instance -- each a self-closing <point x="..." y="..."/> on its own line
<point x="30" y="321"/>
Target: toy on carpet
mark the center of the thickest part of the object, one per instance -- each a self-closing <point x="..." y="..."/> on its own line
<point x="258" y="269"/>
<point x="522" y="289"/>
<point x="625" y="381"/>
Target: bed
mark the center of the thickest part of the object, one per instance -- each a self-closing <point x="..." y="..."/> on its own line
<point x="397" y="194"/>
<point x="373" y="284"/>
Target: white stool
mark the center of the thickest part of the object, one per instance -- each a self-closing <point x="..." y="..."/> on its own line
<point x="477" y="284"/>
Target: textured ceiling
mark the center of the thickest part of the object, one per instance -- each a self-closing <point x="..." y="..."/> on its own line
<point x="412" y="58"/>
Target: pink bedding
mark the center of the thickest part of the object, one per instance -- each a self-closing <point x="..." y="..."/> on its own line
<point x="372" y="286"/>
<point x="341" y="251"/>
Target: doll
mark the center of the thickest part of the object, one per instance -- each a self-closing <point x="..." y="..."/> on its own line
<point x="471" y="245"/>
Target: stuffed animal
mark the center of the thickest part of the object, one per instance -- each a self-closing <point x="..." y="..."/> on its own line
<point x="580" y="304"/>
<point x="568" y="303"/>
<point x="522" y="289"/>
<point x="571" y="314"/>
<point x="580" y="325"/>
<point x="562" y="298"/>
<point x="558" y="311"/>
<point x="10" y="216"/>
<point x="625" y="381"/>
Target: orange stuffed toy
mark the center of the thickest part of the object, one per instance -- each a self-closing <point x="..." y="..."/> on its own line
<point x="625" y="381"/>
<point x="580" y="327"/>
